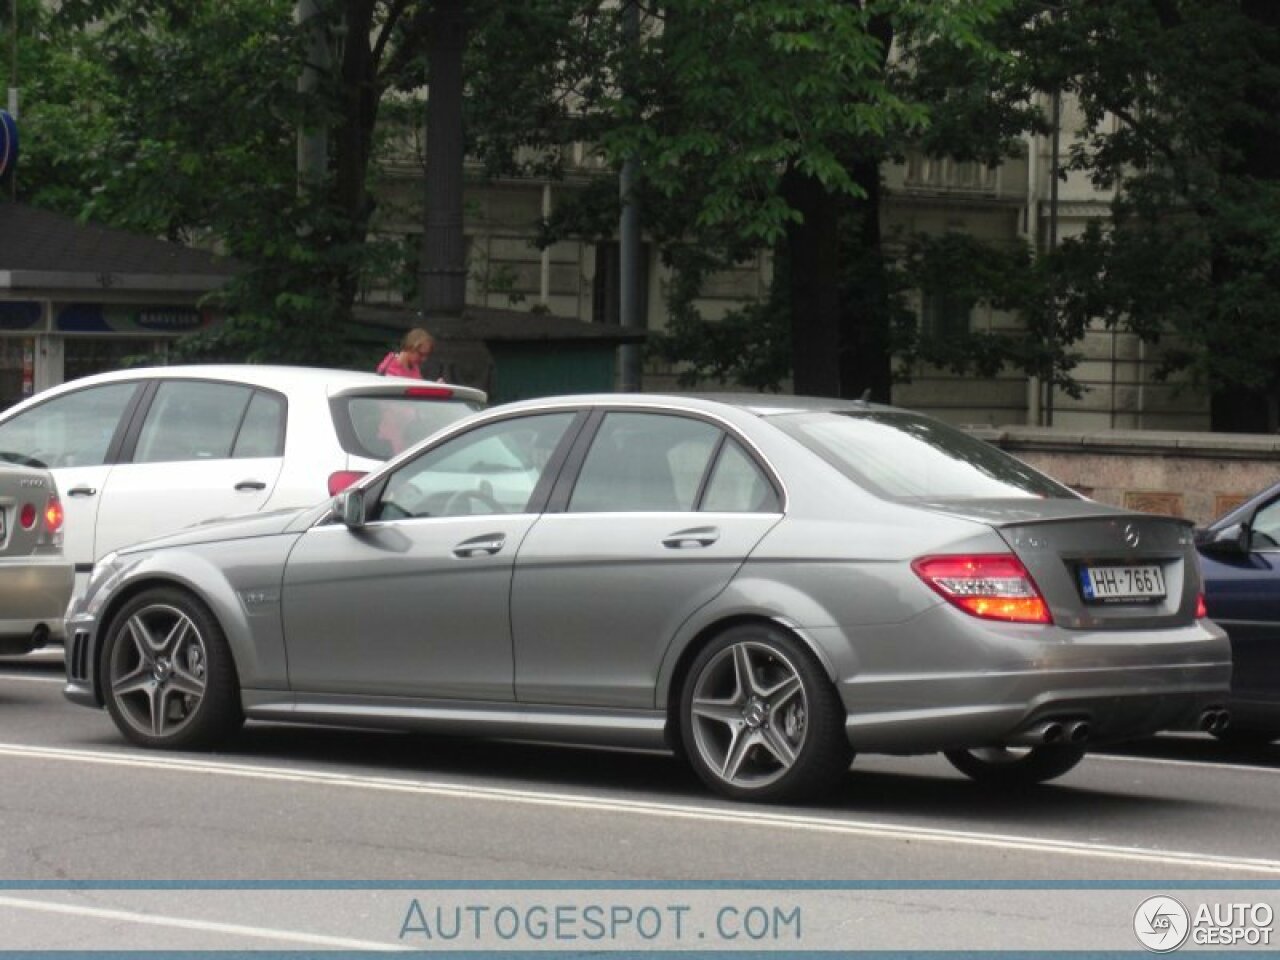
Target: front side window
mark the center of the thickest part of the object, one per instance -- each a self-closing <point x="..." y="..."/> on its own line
<point x="73" y="430"/>
<point x="489" y="470"/>
<point x="644" y="462"/>
<point x="902" y="455"/>
<point x="192" y="421"/>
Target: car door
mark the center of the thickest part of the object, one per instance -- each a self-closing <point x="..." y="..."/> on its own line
<point x="1243" y="596"/>
<point x="602" y="586"/>
<point x="77" y="436"/>
<point x="203" y="449"/>
<point x="415" y="603"/>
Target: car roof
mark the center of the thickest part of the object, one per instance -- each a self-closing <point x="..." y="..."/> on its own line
<point x="277" y="376"/>
<point x="762" y="405"/>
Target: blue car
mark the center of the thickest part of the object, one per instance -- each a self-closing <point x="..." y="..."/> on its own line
<point x="1240" y="559"/>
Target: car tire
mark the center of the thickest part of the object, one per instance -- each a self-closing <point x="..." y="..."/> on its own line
<point x="169" y="680"/>
<point x="759" y="718"/>
<point x="1014" y="767"/>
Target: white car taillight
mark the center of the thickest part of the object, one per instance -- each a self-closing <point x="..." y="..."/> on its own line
<point x="994" y="586"/>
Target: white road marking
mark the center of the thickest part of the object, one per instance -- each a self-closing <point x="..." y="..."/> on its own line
<point x="204" y="926"/>
<point x="32" y="677"/>
<point x="739" y="816"/>
<point x="1171" y="762"/>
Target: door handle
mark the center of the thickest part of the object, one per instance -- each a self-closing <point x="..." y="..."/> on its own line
<point x="691" y="538"/>
<point x="251" y="485"/>
<point x="82" y="491"/>
<point x="486" y="544"/>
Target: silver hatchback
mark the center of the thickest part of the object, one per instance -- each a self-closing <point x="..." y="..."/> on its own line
<point x="765" y="585"/>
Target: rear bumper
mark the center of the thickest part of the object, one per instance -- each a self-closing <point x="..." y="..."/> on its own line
<point x="34" y="593"/>
<point x="1123" y="684"/>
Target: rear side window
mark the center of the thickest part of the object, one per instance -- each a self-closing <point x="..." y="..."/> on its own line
<point x="641" y="462"/>
<point x="382" y="426"/>
<point x="738" y="485"/>
<point x="262" y="430"/>
<point x="73" y="430"/>
<point x="195" y="420"/>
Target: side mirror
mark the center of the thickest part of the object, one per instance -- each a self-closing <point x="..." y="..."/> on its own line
<point x="1232" y="541"/>
<point x="349" y="505"/>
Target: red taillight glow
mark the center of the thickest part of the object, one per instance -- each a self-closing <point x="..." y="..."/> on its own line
<point x="342" y="479"/>
<point x="1202" y="611"/>
<point x="994" y="586"/>
<point x="28" y="516"/>
<point x="53" y="515"/>
<point x="436" y="392"/>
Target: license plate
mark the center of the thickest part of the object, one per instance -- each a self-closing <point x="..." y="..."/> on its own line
<point x="1122" y="583"/>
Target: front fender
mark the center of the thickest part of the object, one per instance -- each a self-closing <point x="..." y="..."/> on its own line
<point x="238" y="580"/>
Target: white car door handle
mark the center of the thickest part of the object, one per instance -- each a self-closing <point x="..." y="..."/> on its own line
<point x="251" y="485"/>
<point x="82" y="491"/>
<point x="691" y="538"/>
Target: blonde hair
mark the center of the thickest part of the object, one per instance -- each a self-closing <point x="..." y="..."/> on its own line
<point x="415" y="338"/>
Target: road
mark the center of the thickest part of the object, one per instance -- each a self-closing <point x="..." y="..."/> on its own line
<point x="302" y="804"/>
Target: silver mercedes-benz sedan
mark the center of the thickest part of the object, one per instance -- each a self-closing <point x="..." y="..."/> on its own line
<point x="764" y="585"/>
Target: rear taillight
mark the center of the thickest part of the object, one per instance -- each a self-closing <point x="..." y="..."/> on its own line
<point x="53" y="515"/>
<point x="342" y="479"/>
<point x="28" y="516"/>
<point x="994" y="586"/>
<point x="1202" y="611"/>
<point x="435" y="392"/>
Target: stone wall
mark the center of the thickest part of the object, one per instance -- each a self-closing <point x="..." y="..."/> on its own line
<point x="1194" y="475"/>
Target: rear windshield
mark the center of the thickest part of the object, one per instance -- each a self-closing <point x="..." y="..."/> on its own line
<point x="902" y="455"/>
<point x="382" y="426"/>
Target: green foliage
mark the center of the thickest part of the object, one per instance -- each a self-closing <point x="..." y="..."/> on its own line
<point x="750" y="346"/>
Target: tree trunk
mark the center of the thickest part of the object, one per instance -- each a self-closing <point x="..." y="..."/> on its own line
<point x="353" y="139"/>
<point x="813" y="249"/>
<point x="866" y="362"/>
<point x="444" y="269"/>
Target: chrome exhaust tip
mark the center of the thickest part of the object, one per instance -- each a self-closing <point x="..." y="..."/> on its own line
<point x="1048" y="731"/>
<point x="1078" y="731"/>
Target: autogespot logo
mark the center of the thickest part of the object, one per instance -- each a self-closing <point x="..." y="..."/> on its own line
<point x="1162" y="924"/>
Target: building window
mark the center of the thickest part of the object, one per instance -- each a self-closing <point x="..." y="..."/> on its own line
<point x="945" y="315"/>
<point x="606" y="292"/>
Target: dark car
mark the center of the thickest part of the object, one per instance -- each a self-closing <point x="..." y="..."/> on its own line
<point x="1240" y="558"/>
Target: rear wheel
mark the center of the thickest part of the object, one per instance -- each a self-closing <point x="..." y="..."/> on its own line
<point x="760" y="720"/>
<point x="1016" y="766"/>
<point x="169" y="680"/>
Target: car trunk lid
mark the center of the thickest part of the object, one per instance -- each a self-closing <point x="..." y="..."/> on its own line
<point x="1097" y="567"/>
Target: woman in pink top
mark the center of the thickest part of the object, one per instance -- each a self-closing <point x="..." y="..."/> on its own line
<point x="407" y="361"/>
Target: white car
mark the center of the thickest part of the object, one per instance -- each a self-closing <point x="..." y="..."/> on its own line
<point x="35" y="577"/>
<point x="142" y="452"/>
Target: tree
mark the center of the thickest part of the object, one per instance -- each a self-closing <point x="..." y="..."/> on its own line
<point x="1192" y="255"/>
<point x="765" y="123"/>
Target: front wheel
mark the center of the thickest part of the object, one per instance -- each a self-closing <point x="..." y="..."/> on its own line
<point x="1016" y="766"/>
<point x="168" y="677"/>
<point x="760" y="720"/>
